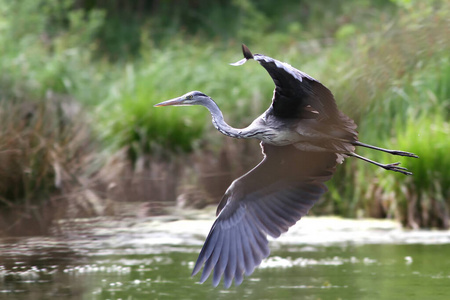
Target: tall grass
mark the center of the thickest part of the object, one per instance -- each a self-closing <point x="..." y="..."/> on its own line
<point x="127" y="118"/>
<point x="386" y="62"/>
<point x="431" y="183"/>
<point x="46" y="46"/>
<point x="46" y="156"/>
<point x="402" y="90"/>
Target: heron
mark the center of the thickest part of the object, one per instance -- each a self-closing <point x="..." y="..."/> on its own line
<point x="303" y="137"/>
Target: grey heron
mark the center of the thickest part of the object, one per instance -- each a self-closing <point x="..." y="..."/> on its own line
<point x="303" y="137"/>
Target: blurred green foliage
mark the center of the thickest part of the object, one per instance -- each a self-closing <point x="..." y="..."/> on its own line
<point x="385" y="61"/>
<point x="48" y="46"/>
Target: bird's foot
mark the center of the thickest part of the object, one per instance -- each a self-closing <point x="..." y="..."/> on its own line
<point x="395" y="167"/>
<point x="403" y="153"/>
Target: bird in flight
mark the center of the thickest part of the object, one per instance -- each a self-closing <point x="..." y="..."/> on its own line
<point x="303" y="137"/>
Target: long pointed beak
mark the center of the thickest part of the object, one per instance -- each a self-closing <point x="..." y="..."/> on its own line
<point x="171" y="102"/>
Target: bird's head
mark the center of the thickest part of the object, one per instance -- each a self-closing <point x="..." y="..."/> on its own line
<point x="191" y="98"/>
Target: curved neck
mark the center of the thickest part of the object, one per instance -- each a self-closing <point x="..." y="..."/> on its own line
<point x="219" y="122"/>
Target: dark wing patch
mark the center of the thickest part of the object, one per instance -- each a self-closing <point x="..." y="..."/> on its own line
<point x="266" y="201"/>
<point x="296" y="93"/>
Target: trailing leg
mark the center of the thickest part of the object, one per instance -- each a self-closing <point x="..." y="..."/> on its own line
<point x="391" y="167"/>
<point x="393" y="152"/>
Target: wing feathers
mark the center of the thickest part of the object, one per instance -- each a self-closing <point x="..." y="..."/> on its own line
<point x="282" y="188"/>
<point x="213" y="248"/>
<point x="257" y="242"/>
<point x="230" y="268"/>
<point x="223" y="258"/>
<point x="258" y="205"/>
<point x="246" y="250"/>
<point x="262" y="219"/>
<point x="297" y="94"/>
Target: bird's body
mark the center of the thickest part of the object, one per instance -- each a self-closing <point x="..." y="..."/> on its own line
<point x="268" y="129"/>
<point x="303" y="136"/>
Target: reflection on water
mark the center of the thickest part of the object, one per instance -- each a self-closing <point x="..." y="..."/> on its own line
<point x="152" y="259"/>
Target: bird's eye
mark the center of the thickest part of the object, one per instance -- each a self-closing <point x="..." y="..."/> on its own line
<point x="189" y="97"/>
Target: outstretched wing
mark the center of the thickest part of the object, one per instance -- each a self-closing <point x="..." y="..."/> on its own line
<point x="296" y="95"/>
<point x="266" y="201"/>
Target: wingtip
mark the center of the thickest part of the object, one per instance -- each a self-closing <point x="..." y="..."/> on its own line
<point x="247" y="55"/>
<point x="239" y="63"/>
<point x="195" y="271"/>
<point x="227" y="282"/>
<point x="198" y="266"/>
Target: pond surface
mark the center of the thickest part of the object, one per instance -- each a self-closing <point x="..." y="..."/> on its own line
<point x="152" y="258"/>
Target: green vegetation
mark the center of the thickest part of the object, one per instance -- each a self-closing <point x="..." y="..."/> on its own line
<point x="386" y="62"/>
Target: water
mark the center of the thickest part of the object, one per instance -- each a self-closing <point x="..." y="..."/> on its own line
<point x="320" y="258"/>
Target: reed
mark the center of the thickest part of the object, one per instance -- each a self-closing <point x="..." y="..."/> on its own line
<point x="386" y="63"/>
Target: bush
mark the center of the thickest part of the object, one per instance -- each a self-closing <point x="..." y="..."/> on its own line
<point x="401" y="75"/>
<point x="44" y="148"/>
<point x="386" y="62"/>
<point x="46" y="46"/>
<point x="128" y="118"/>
